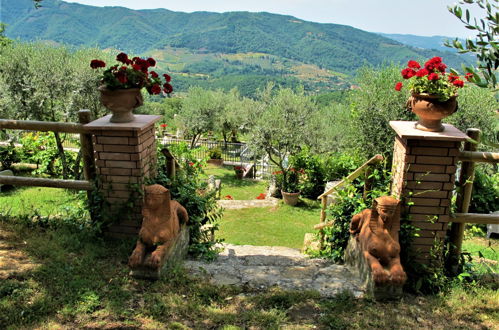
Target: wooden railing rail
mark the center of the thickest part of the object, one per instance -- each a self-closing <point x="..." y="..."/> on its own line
<point x="44" y="126"/>
<point x="469" y="156"/>
<point x="364" y="168"/>
<point x="478" y="157"/>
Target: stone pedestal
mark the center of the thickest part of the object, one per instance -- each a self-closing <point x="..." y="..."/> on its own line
<point x="176" y="253"/>
<point x="125" y="156"/>
<point x="424" y="167"/>
<point x="356" y="261"/>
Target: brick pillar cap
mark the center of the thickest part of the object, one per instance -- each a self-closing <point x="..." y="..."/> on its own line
<point x="140" y="123"/>
<point x="407" y="130"/>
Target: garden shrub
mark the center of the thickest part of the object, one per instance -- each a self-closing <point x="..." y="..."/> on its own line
<point x="215" y="153"/>
<point x="348" y="202"/>
<point x="313" y="180"/>
<point x="8" y="156"/>
<point x="187" y="188"/>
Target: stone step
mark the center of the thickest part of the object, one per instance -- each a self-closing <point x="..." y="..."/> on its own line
<point x="261" y="267"/>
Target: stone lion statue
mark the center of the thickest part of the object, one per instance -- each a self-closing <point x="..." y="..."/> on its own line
<point x="160" y="226"/>
<point x="377" y="231"/>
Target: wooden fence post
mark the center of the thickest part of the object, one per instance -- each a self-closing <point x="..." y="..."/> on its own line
<point x="463" y="200"/>
<point x="87" y="148"/>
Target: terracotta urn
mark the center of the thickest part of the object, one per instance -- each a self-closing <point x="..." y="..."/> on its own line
<point x="431" y="111"/>
<point x="290" y="199"/>
<point x="217" y="162"/>
<point x="121" y="103"/>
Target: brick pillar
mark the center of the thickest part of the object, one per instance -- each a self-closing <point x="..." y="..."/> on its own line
<point x="423" y="169"/>
<point x="125" y="156"/>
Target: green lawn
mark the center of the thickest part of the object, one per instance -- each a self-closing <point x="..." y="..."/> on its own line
<point x="245" y="189"/>
<point x="38" y="200"/>
<point x="282" y="225"/>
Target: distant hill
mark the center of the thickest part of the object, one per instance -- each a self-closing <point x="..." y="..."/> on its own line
<point x="204" y="47"/>
<point x="434" y="42"/>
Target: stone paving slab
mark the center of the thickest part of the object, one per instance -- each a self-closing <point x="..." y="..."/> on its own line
<point x="261" y="267"/>
<point x="243" y="204"/>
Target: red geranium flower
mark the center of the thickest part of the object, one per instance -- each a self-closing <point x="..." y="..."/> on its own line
<point x="229" y="197"/>
<point x="408" y="73"/>
<point x="452" y="77"/>
<point x="261" y="196"/>
<point x="167" y="77"/>
<point x="167" y="88"/>
<point x="468" y="76"/>
<point x="122" y="57"/>
<point x="191" y="164"/>
<point x="156" y="89"/>
<point x="398" y="86"/>
<point x="458" y="83"/>
<point x="154" y="74"/>
<point x="433" y="76"/>
<point x="441" y="67"/>
<point x="151" y="61"/>
<point x="163" y="125"/>
<point x="122" y="77"/>
<point x="94" y="64"/>
<point x="422" y="72"/>
<point x="137" y="67"/>
<point x="413" y="64"/>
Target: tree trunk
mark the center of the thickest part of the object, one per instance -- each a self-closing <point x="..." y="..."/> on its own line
<point x="60" y="149"/>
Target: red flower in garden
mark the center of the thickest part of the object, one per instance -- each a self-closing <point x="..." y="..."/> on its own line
<point x="155" y="89"/>
<point x="433" y="76"/>
<point x="122" y="57"/>
<point x="151" y="61"/>
<point x="408" y="73"/>
<point x="277" y="173"/>
<point x="441" y="67"/>
<point x="191" y="164"/>
<point x="94" y="64"/>
<point x="122" y="77"/>
<point x="261" y="196"/>
<point x="468" y="76"/>
<point x="452" y="77"/>
<point x="458" y="83"/>
<point x="398" y="86"/>
<point x="167" y="88"/>
<point x="229" y="197"/>
<point x="422" y="73"/>
<point x="413" y="64"/>
<point x="167" y="78"/>
<point x="163" y="125"/>
<point x="132" y="73"/>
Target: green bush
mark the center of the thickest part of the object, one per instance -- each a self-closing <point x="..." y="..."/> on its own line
<point x="8" y="156"/>
<point x="185" y="188"/>
<point x="313" y="180"/>
<point x="215" y="153"/>
<point x="485" y="194"/>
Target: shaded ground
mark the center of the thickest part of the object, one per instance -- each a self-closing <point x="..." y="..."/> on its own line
<point x="82" y="281"/>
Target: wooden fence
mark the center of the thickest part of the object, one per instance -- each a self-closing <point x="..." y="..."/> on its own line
<point x="84" y="117"/>
<point x="469" y="156"/>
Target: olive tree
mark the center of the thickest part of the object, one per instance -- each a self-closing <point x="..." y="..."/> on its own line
<point x="282" y="125"/>
<point x="40" y="82"/>
<point x="200" y="111"/>
<point x="486" y="45"/>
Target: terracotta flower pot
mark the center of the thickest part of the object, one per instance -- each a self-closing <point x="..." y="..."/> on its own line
<point x="431" y="111"/>
<point x="217" y="162"/>
<point x="121" y="103"/>
<point x="290" y="198"/>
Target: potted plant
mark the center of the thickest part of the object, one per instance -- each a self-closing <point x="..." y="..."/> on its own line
<point x="215" y="155"/>
<point x="122" y="82"/>
<point x="433" y="92"/>
<point x="239" y="170"/>
<point x="288" y="180"/>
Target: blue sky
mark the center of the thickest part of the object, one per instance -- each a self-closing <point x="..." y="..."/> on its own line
<point x="420" y="17"/>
